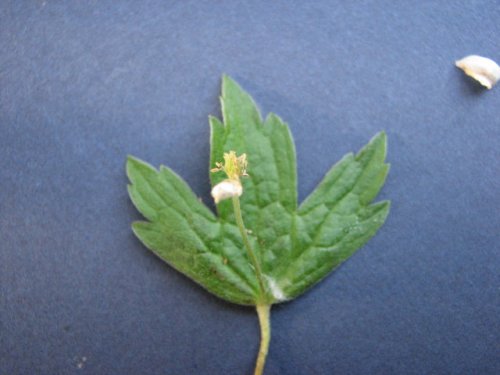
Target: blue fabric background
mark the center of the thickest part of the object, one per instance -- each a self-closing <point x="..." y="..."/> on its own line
<point x="84" y="83"/>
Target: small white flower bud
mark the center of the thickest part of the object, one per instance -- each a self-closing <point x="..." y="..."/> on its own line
<point x="226" y="189"/>
<point x="482" y="69"/>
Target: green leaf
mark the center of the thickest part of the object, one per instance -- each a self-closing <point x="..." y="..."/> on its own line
<point x="295" y="246"/>
<point x="185" y="233"/>
<point x="267" y="144"/>
<point x="336" y="219"/>
<point x="270" y="197"/>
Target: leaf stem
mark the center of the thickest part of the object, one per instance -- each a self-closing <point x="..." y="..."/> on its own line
<point x="263" y="311"/>
<point x="248" y="246"/>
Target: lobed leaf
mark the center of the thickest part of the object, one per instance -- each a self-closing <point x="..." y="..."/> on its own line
<point x="184" y="232"/>
<point x="336" y="219"/>
<point x="296" y="246"/>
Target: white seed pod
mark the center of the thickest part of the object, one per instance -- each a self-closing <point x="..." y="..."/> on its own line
<point x="226" y="189"/>
<point x="482" y="69"/>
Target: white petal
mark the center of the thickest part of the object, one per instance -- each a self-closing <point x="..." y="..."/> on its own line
<point x="226" y="189"/>
<point x="482" y="69"/>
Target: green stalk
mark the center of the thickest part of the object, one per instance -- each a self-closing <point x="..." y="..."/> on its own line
<point x="246" y="242"/>
<point x="263" y="311"/>
<point x="263" y="308"/>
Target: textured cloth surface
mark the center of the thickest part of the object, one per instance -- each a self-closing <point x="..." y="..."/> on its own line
<point x="84" y="83"/>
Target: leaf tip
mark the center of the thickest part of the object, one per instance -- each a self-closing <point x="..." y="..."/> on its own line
<point x="387" y="204"/>
<point x="131" y="161"/>
<point x="382" y="208"/>
<point x="137" y="226"/>
<point x="226" y="80"/>
<point x="376" y="146"/>
<point x="381" y="136"/>
<point x="214" y="122"/>
<point x="136" y="166"/>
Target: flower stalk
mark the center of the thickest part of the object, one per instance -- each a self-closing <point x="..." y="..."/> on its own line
<point x="263" y="309"/>
<point x="235" y="167"/>
<point x="248" y="246"/>
<point x="264" y="312"/>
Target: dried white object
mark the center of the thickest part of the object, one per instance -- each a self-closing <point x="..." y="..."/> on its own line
<point x="226" y="189"/>
<point x="482" y="69"/>
<point x="275" y="289"/>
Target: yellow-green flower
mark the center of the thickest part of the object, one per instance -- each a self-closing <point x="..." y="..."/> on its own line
<point x="234" y="167"/>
